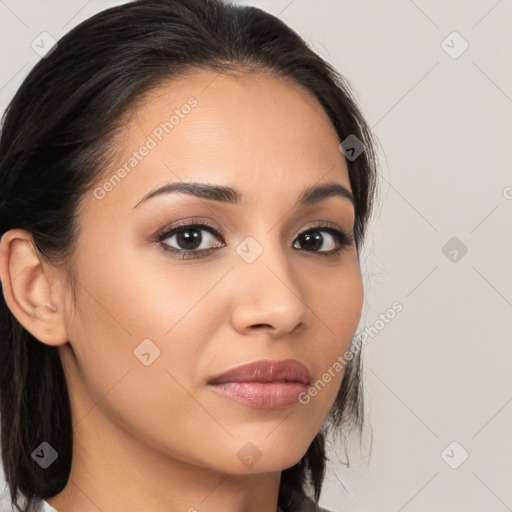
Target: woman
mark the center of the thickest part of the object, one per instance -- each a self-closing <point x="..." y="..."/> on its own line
<point x="185" y="191"/>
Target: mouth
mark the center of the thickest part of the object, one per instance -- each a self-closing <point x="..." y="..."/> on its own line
<point x="264" y="384"/>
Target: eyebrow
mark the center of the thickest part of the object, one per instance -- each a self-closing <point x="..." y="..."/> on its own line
<point x="229" y="195"/>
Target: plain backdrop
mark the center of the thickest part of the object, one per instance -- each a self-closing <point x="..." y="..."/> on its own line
<point x="434" y="80"/>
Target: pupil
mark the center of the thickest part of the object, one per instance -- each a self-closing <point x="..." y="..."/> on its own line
<point x="189" y="239"/>
<point x="314" y="241"/>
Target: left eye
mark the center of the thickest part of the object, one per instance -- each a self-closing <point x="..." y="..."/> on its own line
<point x="313" y="240"/>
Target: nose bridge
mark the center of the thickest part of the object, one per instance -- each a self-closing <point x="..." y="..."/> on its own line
<point x="269" y="291"/>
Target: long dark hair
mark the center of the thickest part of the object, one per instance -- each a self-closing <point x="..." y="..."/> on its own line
<point x="57" y="135"/>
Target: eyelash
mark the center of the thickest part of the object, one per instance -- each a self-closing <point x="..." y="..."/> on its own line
<point x="342" y="238"/>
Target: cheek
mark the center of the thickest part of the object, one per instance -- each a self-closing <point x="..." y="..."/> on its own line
<point x="337" y="305"/>
<point x="338" y="301"/>
<point x="127" y="309"/>
<point x="126" y="319"/>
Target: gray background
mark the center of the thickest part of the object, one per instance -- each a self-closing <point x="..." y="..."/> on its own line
<point x="439" y="372"/>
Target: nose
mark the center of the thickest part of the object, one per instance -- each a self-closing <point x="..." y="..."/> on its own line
<point x="269" y="296"/>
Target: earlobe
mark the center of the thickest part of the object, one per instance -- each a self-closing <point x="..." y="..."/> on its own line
<point x="30" y="289"/>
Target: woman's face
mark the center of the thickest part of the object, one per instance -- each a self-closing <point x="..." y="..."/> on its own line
<point x="153" y="327"/>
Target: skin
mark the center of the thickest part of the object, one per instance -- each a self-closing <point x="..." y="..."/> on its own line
<point x="156" y="438"/>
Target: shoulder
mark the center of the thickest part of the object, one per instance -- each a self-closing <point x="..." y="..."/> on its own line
<point x="308" y="505"/>
<point x="44" y="506"/>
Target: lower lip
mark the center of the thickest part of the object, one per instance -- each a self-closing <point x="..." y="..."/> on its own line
<point x="263" y="395"/>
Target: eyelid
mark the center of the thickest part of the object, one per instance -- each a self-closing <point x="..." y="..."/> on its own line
<point x="168" y="230"/>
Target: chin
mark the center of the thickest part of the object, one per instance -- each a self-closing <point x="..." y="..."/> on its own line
<point x="266" y="457"/>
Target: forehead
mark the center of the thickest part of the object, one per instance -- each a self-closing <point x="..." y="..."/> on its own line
<point x="255" y="131"/>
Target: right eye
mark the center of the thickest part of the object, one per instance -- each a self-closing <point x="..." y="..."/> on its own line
<point x="187" y="239"/>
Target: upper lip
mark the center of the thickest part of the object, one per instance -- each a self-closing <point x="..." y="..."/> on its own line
<point x="266" y="371"/>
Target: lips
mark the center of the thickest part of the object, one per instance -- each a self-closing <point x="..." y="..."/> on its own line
<point x="264" y="384"/>
<point x="289" y="370"/>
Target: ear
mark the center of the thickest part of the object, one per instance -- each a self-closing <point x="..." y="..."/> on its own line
<point x="32" y="288"/>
